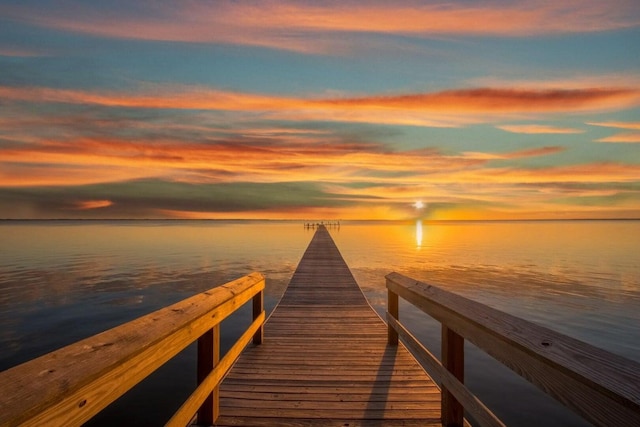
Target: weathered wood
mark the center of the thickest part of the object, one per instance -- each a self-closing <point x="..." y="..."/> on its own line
<point x="392" y="309"/>
<point x="310" y="422"/>
<point x="453" y="361"/>
<point x="208" y="357"/>
<point x="469" y="401"/>
<point x="430" y="417"/>
<point x="601" y="386"/>
<point x="325" y="359"/>
<point x="70" y="385"/>
<point x="212" y="380"/>
<point x="258" y="309"/>
<point x="417" y="394"/>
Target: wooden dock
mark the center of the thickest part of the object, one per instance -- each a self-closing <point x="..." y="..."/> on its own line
<point x="325" y="360"/>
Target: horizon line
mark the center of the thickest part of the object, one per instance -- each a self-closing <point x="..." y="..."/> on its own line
<point x="329" y="220"/>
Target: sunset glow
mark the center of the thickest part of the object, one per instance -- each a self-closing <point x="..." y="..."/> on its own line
<point x="294" y="110"/>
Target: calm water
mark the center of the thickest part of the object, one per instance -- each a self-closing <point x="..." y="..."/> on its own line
<point x="61" y="281"/>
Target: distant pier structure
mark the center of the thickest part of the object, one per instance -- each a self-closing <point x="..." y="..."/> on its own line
<point x="316" y="224"/>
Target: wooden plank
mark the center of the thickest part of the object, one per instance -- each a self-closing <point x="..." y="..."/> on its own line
<point x="258" y="310"/>
<point x="325" y="360"/>
<point x="452" y="361"/>
<point x="469" y="401"/>
<point x="330" y="405"/>
<point x="392" y="308"/>
<point x="416" y="388"/>
<point x="70" y="385"/>
<point x="601" y="386"/>
<point x="309" y="422"/>
<point x="400" y="395"/>
<point x="211" y="382"/>
<point x="208" y="357"/>
<point x="327" y="415"/>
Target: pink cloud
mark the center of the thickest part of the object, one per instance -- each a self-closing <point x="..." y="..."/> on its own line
<point x="324" y="28"/>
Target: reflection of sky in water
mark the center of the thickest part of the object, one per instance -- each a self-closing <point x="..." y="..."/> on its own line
<point x="65" y="281"/>
<point x="62" y="281"/>
<point x="581" y="278"/>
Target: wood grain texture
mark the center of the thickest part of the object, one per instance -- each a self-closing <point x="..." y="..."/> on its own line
<point x="211" y="382"/>
<point x="472" y="405"/>
<point x="325" y="360"/>
<point x="453" y="361"/>
<point x="208" y="357"/>
<point x="601" y="386"/>
<point x="68" y="386"/>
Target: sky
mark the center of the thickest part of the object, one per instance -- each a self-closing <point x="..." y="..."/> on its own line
<point x="320" y="109"/>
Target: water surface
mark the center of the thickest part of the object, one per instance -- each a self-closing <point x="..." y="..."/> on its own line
<point x="61" y="281"/>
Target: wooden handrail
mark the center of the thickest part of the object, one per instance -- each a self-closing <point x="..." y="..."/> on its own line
<point x="600" y="386"/>
<point x="72" y="384"/>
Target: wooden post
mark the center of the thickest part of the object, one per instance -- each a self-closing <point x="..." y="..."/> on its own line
<point x="392" y="309"/>
<point x="258" y="307"/>
<point x="208" y="358"/>
<point x="453" y="361"/>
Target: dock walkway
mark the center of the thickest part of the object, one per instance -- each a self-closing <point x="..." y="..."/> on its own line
<point x="325" y="359"/>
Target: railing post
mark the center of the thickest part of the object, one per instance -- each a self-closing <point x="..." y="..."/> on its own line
<point x="258" y="307"/>
<point x="392" y="309"/>
<point x="453" y="361"/>
<point x="208" y="358"/>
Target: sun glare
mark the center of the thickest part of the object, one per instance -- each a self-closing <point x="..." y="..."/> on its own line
<point x="418" y="204"/>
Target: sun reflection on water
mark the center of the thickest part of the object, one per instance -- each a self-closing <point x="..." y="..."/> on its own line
<point x="419" y="233"/>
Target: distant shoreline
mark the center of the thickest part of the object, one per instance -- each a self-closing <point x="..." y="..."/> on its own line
<point x="302" y="221"/>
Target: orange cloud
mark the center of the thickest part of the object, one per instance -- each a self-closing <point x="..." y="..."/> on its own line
<point x="85" y="161"/>
<point x="324" y="28"/>
<point x="584" y="173"/>
<point x="111" y="160"/>
<point x="26" y="170"/>
<point x="93" y="204"/>
<point x="626" y="137"/>
<point x="575" y="81"/>
<point x="354" y="212"/>
<point x="368" y="182"/>
<point x="538" y="129"/>
<point x="629" y="137"/>
<point x="533" y="152"/>
<point x="437" y="109"/>
<point x="617" y="125"/>
<point x="492" y="100"/>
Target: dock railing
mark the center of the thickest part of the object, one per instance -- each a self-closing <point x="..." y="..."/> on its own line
<point x="600" y="386"/>
<point x="71" y="385"/>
